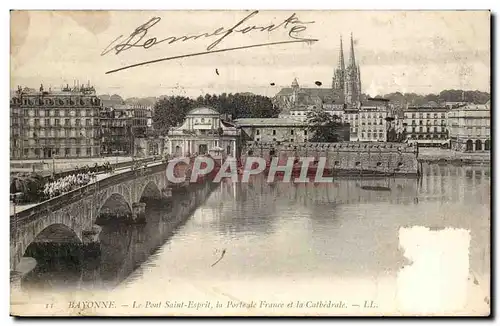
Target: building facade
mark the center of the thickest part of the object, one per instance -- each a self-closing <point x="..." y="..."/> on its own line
<point x="47" y="123"/>
<point x="426" y="125"/>
<point x="281" y="130"/>
<point x="345" y="91"/>
<point x="116" y="131"/>
<point x="470" y="128"/>
<point x="368" y="121"/>
<point x="204" y="132"/>
<point x="121" y="124"/>
<point x="273" y="130"/>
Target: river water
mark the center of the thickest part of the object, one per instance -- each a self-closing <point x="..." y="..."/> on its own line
<point x="286" y="242"/>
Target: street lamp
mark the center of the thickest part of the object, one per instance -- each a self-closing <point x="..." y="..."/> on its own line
<point x="53" y="163"/>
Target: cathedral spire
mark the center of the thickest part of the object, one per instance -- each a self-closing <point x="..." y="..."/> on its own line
<point x="352" y="60"/>
<point x="341" y="65"/>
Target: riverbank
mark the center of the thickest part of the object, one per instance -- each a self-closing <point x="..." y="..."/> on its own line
<point x="437" y="155"/>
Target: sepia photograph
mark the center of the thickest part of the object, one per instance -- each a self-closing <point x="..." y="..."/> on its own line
<point x="250" y="163"/>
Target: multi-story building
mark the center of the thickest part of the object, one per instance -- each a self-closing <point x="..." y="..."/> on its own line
<point x="140" y="116"/>
<point x="203" y="131"/>
<point x="426" y="125"/>
<point x="273" y="129"/>
<point x="116" y="131"/>
<point x="49" y="123"/>
<point x="281" y="130"/>
<point x="368" y="121"/>
<point x="121" y="124"/>
<point x="470" y="128"/>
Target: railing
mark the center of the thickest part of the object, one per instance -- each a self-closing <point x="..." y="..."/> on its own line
<point x="70" y="197"/>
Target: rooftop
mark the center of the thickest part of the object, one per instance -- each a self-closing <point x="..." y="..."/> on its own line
<point x="203" y="111"/>
<point x="264" y="122"/>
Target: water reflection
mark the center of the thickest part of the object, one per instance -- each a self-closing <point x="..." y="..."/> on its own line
<point x="284" y="229"/>
<point x="124" y="247"/>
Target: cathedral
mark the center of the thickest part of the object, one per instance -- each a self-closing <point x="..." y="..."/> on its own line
<point x="346" y="82"/>
<point x="345" y="91"/>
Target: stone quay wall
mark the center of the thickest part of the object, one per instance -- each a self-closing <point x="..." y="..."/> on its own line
<point x="350" y="158"/>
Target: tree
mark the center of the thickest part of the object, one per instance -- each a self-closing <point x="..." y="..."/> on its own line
<point x="323" y="126"/>
<point x="170" y="111"/>
<point x="240" y="105"/>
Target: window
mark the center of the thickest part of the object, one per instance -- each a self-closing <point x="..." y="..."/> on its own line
<point x="274" y="132"/>
<point x="257" y="139"/>
<point x="291" y="140"/>
<point x="26" y="122"/>
<point x="305" y="132"/>
<point x="37" y="122"/>
<point x="258" y="132"/>
<point x="66" y="122"/>
<point x="57" y="151"/>
<point x="291" y="132"/>
<point x="89" y="151"/>
<point x="47" y="122"/>
<point x="56" y="113"/>
<point x="77" y="122"/>
<point x="381" y="135"/>
<point x="47" y="113"/>
<point x="88" y="113"/>
<point x="435" y="129"/>
<point x="35" y="113"/>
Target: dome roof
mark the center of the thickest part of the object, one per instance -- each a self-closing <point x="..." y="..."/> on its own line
<point x="203" y="111"/>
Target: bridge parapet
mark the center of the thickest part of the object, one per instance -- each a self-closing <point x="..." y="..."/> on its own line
<point x="28" y="215"/>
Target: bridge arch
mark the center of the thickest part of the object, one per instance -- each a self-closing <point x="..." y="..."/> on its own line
<point x="58" y="232"/>
<point x="114" y="206"/>
<point x="150" y="189"/>
<point x="56" y="226"/>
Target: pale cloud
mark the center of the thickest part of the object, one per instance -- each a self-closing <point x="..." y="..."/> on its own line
<point x="398" y="51"/>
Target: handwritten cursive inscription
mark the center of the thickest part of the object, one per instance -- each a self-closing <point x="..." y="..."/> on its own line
<point x="139" y="38"/>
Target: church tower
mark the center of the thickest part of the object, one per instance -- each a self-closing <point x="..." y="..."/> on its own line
<point x="339" y="75"/>
<point x="352" y="86"/>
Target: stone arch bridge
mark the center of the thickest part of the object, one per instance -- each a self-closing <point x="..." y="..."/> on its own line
<point x="72" y="216"/>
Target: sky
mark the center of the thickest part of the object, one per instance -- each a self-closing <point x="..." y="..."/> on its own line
<point x="406" y="51"/>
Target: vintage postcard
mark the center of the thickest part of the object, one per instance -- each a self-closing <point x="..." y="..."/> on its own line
<point x="250" y="163"/>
